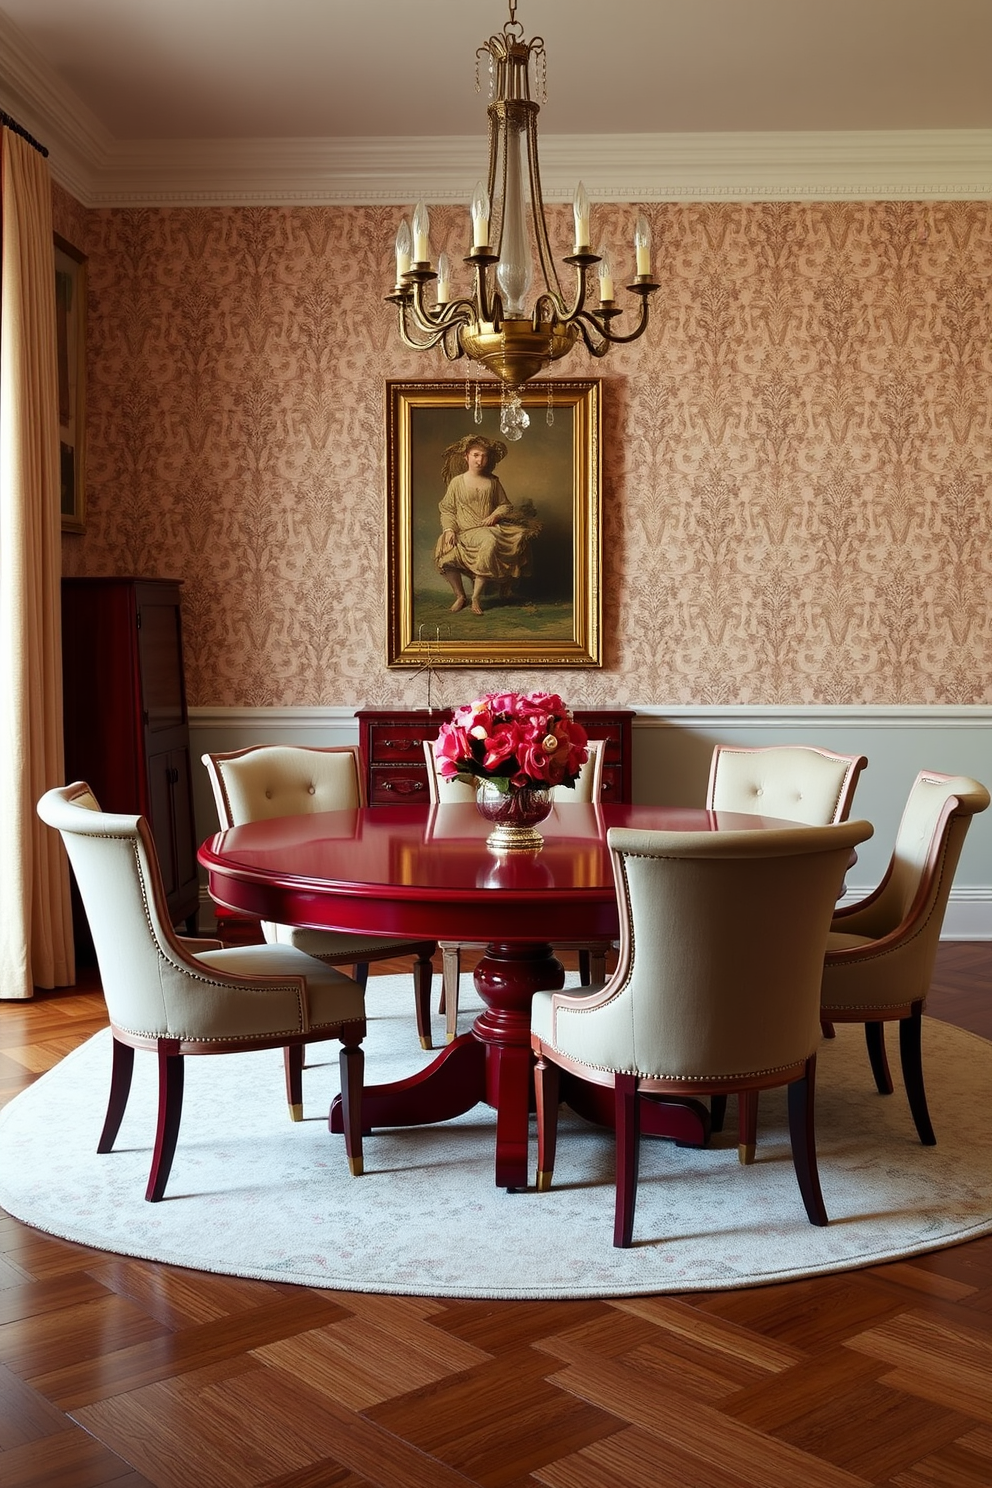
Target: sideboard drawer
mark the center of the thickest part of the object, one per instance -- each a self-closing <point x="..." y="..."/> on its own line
<point x="399" y="744"/>
<point x="394" y="786"/>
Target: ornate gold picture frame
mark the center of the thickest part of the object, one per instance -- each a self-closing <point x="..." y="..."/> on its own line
<point x="520" y="543"/>
<point x="70" y="325"/>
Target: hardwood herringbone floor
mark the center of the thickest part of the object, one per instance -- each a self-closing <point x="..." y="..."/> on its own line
<point x="120" y="1372"/>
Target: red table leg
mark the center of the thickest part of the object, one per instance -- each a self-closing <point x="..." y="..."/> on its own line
<point x="492" y="1063"/>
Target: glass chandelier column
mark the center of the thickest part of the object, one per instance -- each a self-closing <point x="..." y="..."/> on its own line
<point x="512" y="327"/>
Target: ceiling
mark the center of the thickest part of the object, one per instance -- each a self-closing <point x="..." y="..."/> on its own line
<point x="177" y="80"/>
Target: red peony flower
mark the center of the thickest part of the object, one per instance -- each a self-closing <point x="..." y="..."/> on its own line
<point x="518" y="739"/>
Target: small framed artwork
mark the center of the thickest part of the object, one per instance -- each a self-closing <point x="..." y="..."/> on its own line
<point x="70" y="318"/>
<point x="493" y="545"/>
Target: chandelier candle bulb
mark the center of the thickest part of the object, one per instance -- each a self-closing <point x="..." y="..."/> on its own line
<point x="404" y="245"/>
<point x="642" y="246"/>
<point x="443" y="280"/>
<point x="605" y="276"/>
<point x="421" y="235"/>
<point x="580" y="210"/>
<point x="480" y="217"/>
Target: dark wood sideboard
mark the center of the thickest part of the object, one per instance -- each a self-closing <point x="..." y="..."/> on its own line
<point x="125" y="722"/>
<point x="392" y="744"/>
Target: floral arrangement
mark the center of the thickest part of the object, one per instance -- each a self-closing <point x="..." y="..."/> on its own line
<point x="519" y="741"/>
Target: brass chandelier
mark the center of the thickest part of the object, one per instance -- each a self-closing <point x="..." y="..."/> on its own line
<point x="510" y="327"/>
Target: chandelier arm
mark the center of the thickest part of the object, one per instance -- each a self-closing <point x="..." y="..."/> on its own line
<point x="584" y="321"/>
<point x="639" y="329"/>
<point x="555" y="307"/>
<point x="452" y="345"/>
<point x="431" y="341"/>
<point x="548" y="265"/>
<point x="429" y="318"/>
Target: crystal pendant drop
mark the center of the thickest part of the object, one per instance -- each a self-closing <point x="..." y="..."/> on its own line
<point x="513" y="417"/>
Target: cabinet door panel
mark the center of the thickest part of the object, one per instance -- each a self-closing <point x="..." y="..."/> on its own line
<point x="160" y="647"/>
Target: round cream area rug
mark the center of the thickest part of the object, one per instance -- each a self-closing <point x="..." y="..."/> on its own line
<point x="253" y="1194"/>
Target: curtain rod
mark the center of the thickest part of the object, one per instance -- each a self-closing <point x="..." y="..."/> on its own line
<point x="16" y="128"/>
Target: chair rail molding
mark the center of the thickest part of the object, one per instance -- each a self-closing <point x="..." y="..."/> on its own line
<point x="672" y="745"/>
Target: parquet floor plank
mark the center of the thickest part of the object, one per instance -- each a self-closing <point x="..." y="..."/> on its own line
<point x="245" y="1430"/>
<point x="179" y="1298"/>
<point x="704" y="1432"/>
<point x="127" y="1373"/>
<point x="951" y="1366"/>
<point x="808" y="1314"/>
<point x="24" y="1414"/>
<point x="498" y="1327"/>
<point x="684" y="1320"/>
<point x="72" y="1459"/>
<point x="117" y="1371"/>
<point x="40" y="1346"/>
<point x="498" y="1423"/>
<point x="359" y="1364"/>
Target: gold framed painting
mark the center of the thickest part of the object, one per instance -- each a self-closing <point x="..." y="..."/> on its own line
<point x="70" y="324"/>
<point x="493" y="547"/>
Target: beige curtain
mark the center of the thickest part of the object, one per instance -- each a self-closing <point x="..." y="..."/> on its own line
<point x="35" y="916"/>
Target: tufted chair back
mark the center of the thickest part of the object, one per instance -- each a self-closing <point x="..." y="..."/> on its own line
<point x="795" y="782"/>
<point x="269" y="780"/>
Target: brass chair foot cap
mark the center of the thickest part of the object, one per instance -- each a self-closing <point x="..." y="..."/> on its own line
<point x="425" y="1043"/>
<point x="296" y="1113"/>
<point x="357" y="1166"/>
<point x="543" y="1182"/>
<point x="745" y="1154"/>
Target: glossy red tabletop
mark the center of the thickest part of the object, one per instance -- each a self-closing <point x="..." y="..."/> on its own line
<point x="416" y="870"/>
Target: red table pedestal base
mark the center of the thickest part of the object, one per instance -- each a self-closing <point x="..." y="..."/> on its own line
<point x="493" y="1063"/>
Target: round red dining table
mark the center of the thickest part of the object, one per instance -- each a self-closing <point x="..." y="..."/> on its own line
<point x="425" y="872"/>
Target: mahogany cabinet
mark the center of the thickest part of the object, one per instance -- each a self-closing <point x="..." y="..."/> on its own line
<point x="125" y="721"/>
<point x="392" y="744"/>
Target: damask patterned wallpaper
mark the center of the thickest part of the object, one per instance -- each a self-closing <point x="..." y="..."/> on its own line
<point x="798" y="455"/>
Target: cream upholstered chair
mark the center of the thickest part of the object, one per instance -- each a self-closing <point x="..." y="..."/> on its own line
<point x="797" y="782"/>
<point x="268" y="780"/>
<point x="588" y="787"/>
<point x="182" y="997"/>
<point x="880" y="952"/>
<point x="722" y="936"/>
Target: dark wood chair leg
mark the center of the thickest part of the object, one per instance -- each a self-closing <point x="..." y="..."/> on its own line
<point x="171" y="1072"/>
<point x="827" y="1029"/>
<point x="292" y="1058"/>
<point x="747" y="1125"/>
<point x="423" y="971"/>
<point x="911" y="1055"/>
<point x="877" y="1057"/>
<point x="802" y="1135"/>
<point x="546" y="1093"/>
<point x="628" y="1133"/>
<point x="718" y="1112"/>
<point x="352" y="1064"/>
<point x="120" y="1088"/>
<point x="361" y="973"/>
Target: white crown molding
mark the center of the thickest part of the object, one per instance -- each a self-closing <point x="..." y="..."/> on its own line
<point x="903" y="165"/>
<point x="101" y="171"/>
